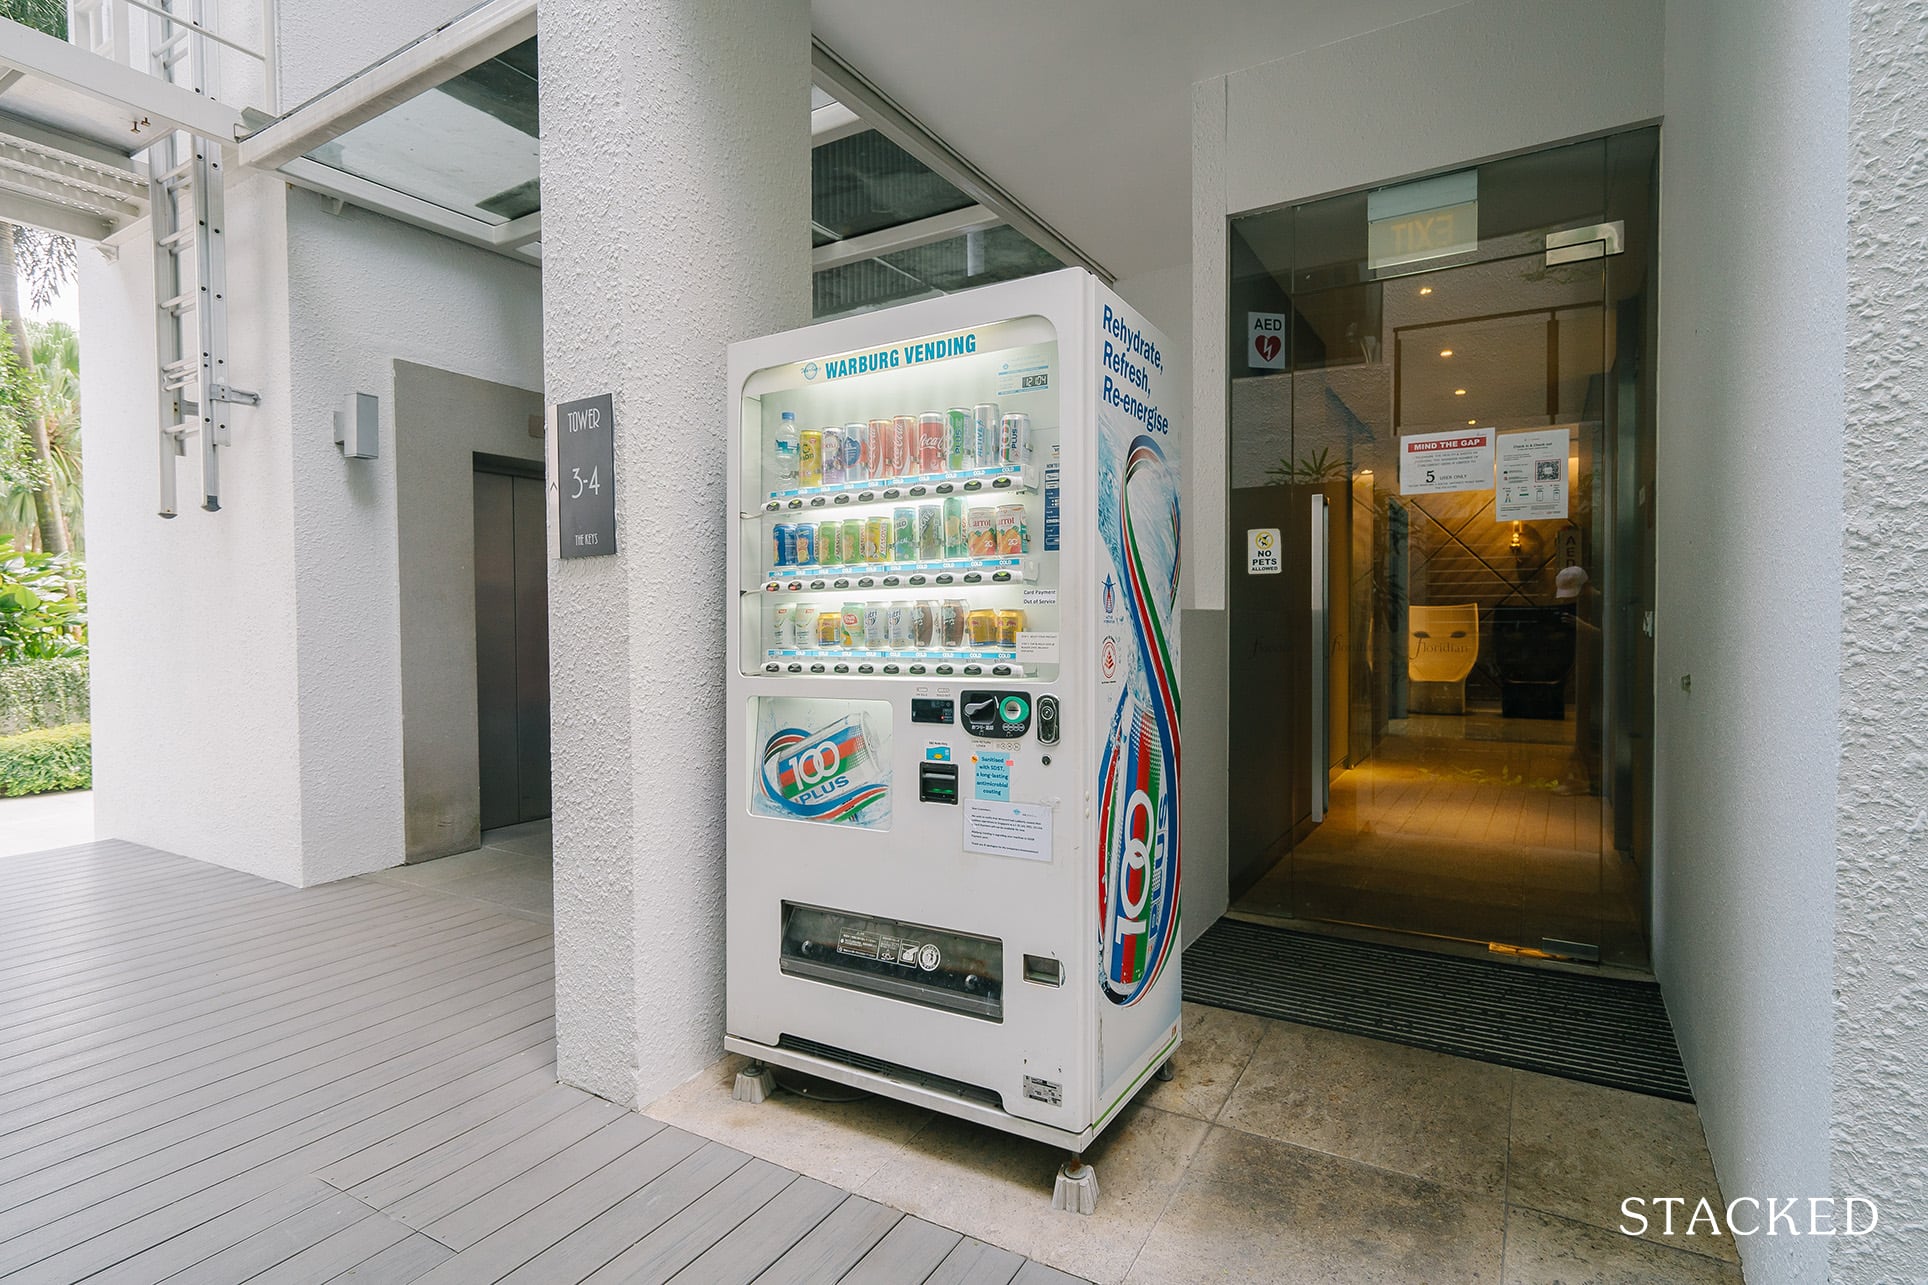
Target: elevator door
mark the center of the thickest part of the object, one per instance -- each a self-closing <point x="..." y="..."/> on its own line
<point x="511" y="647"/>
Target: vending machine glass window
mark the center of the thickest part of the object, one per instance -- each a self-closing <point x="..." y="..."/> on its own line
<point x="901" y="509"/>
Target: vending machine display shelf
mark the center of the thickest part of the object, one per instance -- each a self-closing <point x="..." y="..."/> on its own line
<point x="914" y="662"/>
<point x="967" y="481"/>
<point x="940" y="573"/>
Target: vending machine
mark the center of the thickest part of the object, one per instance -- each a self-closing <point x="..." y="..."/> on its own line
<point x="953" y="865"/>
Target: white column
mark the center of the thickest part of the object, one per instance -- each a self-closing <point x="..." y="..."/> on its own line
<point x="676" y="193"/>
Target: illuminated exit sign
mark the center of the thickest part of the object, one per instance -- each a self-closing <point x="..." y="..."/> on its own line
<point x="1429" y="219"/>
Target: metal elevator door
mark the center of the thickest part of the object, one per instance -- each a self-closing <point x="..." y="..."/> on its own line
<point x="511" y="648"/>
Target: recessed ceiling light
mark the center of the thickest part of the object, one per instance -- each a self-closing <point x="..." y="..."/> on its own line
<point x="1445" y="352"/>
<point x="1472" y="421"/>
<point x="1459" y="392"/>
<point x="1425" y="289"/>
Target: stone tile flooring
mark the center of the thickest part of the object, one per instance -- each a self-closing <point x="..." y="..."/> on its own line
<point x="1281" y="1153"/>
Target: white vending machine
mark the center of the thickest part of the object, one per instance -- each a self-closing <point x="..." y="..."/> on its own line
<point x="953" y="870"/>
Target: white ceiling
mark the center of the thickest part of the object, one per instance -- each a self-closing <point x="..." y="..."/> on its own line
<point x="1082" y="108"/>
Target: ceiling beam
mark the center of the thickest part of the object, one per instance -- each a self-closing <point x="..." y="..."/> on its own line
<point x="905" y="236"/>
<point x="159" y="105"/>
<point x="51" y="216"/>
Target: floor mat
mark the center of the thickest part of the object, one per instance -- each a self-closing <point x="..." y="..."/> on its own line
<point x="1601" y="1030"/>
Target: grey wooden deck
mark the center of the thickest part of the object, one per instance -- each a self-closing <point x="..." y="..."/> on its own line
<point x="209" y="1077"/>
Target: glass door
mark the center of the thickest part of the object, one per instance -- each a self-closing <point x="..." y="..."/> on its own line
<point x="1418" y="727"/>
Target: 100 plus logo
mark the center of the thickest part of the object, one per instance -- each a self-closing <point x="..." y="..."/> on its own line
<point x="822" y="775"/>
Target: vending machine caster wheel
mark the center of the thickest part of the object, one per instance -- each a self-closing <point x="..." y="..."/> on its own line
<point x="754" y="1083"/>
<point x="1076" y="1188"/>
<point x="1166" y="1072"/>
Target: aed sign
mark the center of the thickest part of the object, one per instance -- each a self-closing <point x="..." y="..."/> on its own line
<point x="1430" y="219"/>
<point x="1262" y="555"/>
<point x="1265" y="340"/>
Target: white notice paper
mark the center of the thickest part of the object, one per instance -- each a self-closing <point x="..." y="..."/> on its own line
<point x="1008" y="829"/>
<point x="1262" y="553"/>
<point x="1532" y="476"/>
<point x="1037" y="648"/>
<point x="1461" y="461"/>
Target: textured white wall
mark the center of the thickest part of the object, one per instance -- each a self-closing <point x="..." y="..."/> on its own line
<point x="675" y="164"/>
<point x="193" y="640"/>
<point x="320" y="44"/>
<point x="1749" y="500"/>
<point x="364" y="291"/>
<point x="1880" y="1113"/>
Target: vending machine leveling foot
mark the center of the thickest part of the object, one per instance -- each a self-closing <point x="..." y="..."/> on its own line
<point x="754" y="1083"/>
<point x="1166" y="1071"/>
<point x="1076" y="1188"/>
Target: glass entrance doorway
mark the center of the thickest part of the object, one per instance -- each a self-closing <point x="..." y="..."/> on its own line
<point x="1441" y="557"/>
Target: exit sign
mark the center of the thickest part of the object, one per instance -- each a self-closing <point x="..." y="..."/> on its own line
<point x="1415" y="222"/>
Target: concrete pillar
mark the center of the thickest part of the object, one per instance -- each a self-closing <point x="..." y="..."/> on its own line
<point x="676" y="194"/>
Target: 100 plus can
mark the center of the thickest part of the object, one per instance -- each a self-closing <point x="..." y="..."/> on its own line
<point x="956" y="543"/>
<point x="960" y="437"/>
<point x="903" y="534"/>
<point x="984" y="434"/>
<point x="830" y="543"/>
<point x="932" y="455"/>
<point x="1014" y="439"/>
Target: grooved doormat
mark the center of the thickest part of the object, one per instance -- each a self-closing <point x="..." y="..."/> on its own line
<point x="1598" y="1029"/>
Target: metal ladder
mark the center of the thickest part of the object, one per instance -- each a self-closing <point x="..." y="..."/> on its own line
<point x="187" y="220"/>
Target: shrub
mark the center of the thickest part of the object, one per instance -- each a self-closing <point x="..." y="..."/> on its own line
<point x="48" y="758"/>
<point x="43" y="605"/>
<point x="43" y="693"/>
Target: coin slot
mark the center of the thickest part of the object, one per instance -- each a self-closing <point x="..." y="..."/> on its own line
<point x="1043" y="970"/>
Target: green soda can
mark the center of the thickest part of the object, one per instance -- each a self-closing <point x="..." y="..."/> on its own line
<point x="829" y="543"/>
<point x="903" y="534"/>
<point x="852" y="544"/>
<point x="960" y="437"/>
<point x="956" y="541"/>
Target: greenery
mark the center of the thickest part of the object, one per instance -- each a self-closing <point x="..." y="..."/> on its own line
<point x="1319" y="467"/>
<point x="50" y="392"/>
<point x="49" y="758"/>
<point x="43" y="693"/>
<point x="43" y="605"/>
<point x="49" y="16"/>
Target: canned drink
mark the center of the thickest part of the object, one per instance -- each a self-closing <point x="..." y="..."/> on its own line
<point x="877" y="539"/>
<point x="829" y="543"/>
<point x="851" y="542"/>
<point x="956" y="543"/>
<point x="1009" y="625"/>
<point x="853" y="452"/>
<point x="852" y="624"/>
<point x="806" y="538"/>
<point x="980" y="532"/>
<point x="984" y="434"/>
<point x="923" y="622"/>
<point x="1010" y="530"/>
<point x="897" y="622"/>
<point x="783" y="545"/>
<point x="804" y="623"/>
<point x="783" y="625"/>
<point x="833" y="458"/>
<point x="903" y="446"/>
<point x="982" y="630"/>
<point x="930" y="532"/>
<point x="877" y="449"/>
<point x="1014" y="439"/>
<point x="830" y="629"/>
<point x="960" y="437"/>
<point x="876" y="624"/>
<point x="953" y="621"/>
<point x="903" y="534"/>
<point x="933" y="456"/>
<point x="810" y="457"/>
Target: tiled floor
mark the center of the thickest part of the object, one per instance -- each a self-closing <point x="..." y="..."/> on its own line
<point x="1282" y="1153"/>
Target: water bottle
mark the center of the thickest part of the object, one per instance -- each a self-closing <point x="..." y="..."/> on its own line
<point x="783" y="453"/>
